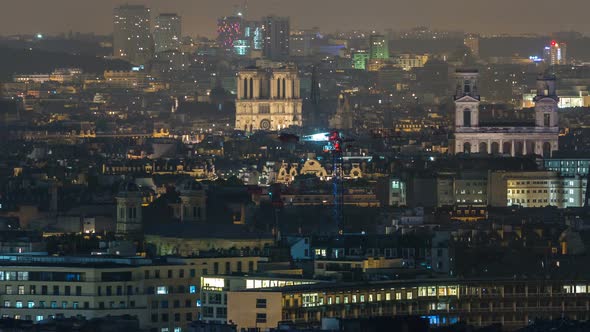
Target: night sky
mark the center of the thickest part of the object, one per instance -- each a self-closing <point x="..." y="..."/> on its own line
<point x="199" y="16"/>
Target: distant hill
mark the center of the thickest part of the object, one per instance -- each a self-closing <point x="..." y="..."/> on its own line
<point x="23" y="61"/>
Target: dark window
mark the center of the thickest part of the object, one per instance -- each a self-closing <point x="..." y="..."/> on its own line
<point x="239" y="266"/>
<point x="181" y="273"/>
<point x="109" y="290"/>
<point x="250" y="266"/>
<point x="86" y="305"/>
<point x="43" y="290"/>
<point x="177" y="317"/>
<point x="260" y="303"/>
<point x="260" y="318"/>
<point x="164" y="304"/>
<point x="169" y="273"/>
<point x="466" y="118"/>
<point x="164" y="317"/>
<point x="187" y="303"/>
<point x="189" y="316"/>
<point x="546" y="119"/>
<point x="227" y="268"/>
<point x="55" y="290"/>
<point x="154" y="318"/>
<point x="216" y="268"/>
<point x="67" y="290"/>
<point x="78" y="290"/>
<point x="119" y="290"/>
<point x="176" y="304"/>
<point x="157" y="274"/>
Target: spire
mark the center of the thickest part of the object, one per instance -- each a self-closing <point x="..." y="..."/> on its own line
<point x="315" y="87"/>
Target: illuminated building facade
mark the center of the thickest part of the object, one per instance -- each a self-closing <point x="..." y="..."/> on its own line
<point x="536" y="189"/>
<point x="479" y="302"/>
<point x="229" y="29"/>
<point x="268" y="100"/>
<point x="132" y="38"/>
<point x="167" y="33"/>
<point x="555" y="53"/>
<point x="538" y="138"/>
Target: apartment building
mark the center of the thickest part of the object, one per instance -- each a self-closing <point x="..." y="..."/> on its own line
<point x="164" y="294"/>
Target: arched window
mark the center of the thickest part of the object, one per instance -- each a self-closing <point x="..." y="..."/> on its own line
<point x="466" y="147"/>
<point x="483" y="148"/>
<point x="495" y="148"/>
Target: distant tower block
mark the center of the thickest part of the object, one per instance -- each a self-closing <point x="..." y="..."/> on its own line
<point x="129" y="219"/>
<point x="193" y="202"/>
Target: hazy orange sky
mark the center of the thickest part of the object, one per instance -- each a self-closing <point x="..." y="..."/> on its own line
<point x="199" y="16"/>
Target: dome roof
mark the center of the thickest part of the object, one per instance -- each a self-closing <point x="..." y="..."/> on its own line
<point x="128" y="189"/>
<point x="189" y="185"/>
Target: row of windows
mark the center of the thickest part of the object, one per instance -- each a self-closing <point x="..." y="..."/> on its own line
<point x="55" y="290"/>
<point x="211" y="312"/>
<point x="65" y="305"/>
<point x="166" y="318"/>
<point x="165" y="304"/>
<point x="543" y="191"/>
<point x="192" y="272"/>
<point x="518" y="200"/>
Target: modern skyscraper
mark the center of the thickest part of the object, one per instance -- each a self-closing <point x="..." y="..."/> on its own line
<point x="167" y="32"/>
<point x="229" y="29"/>
<point x="276" y="32"/>
<point x="132" y="39"/>
<point x="379" y="47"/>
<point x="555" y="53"/>
<point x="471" y="41"/>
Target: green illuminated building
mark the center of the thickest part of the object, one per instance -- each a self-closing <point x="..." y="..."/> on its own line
<point x="360" y="59"/>
<point x="379" y="47"/>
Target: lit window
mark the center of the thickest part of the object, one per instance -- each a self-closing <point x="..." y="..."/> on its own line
<point x="162" y="290"/>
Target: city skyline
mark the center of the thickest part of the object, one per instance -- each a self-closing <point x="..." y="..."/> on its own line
<point x="199" y="17"/>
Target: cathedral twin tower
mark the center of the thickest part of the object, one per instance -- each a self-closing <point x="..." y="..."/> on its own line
<point x="268" y="100"/>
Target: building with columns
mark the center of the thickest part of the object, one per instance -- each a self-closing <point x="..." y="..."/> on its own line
<point x="471" y="136"/>
<point x="268" y="100"/>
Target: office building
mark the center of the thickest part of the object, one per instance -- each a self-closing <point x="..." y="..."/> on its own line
<point x="479" y="302"/>
<point x="268" y="100"/>
<point x="378" y="47"/>
<point x="276" y="34"/>
<point x="132" y="38"/>
<point x="167" y="32"/>
<point x="518" y="139"/>
<point x="555" y="53"/>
